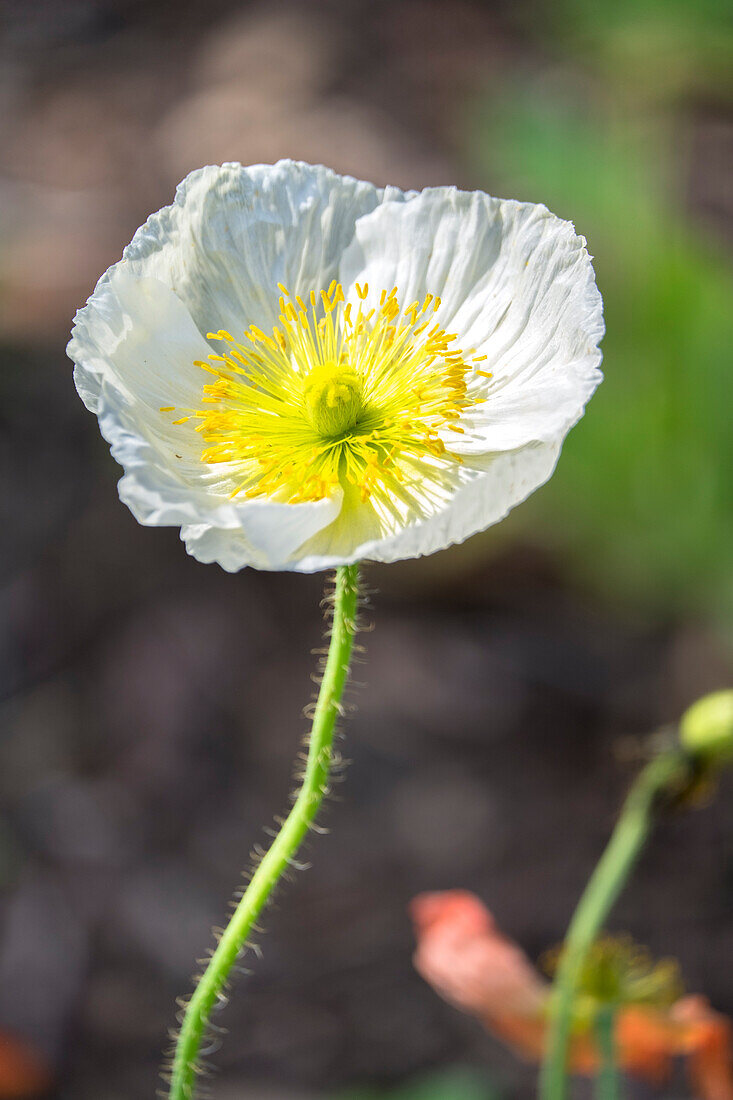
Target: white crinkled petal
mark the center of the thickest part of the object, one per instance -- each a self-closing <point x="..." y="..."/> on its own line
<point x="134" y="347"/>
<point x="502" y="481"/>
<point x="234" y="232"/>
<point x="537" y="411"/>
<point x="137" y="336"/>
<point x="516" y="285"/>
<point x="498" y="483"/>
<point x="267" y="534"/>
<point x="229" y="549"/>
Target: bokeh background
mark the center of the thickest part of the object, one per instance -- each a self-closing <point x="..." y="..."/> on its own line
<point x="151" y="706"/>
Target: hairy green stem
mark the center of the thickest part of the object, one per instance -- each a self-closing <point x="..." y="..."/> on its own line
<point x="668" y="772"/>
<point x="607" y="1076"/>
<point x="185" y="1068"/>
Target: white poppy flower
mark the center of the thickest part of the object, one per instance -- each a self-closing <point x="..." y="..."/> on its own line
<point x="302" y="370"/>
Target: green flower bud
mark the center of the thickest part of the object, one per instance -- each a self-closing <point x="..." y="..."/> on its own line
<point x="706" y="728"/>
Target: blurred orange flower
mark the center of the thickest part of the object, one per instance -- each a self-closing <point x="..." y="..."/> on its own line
<point x="469" y="962"/>
<point x="23" y="1074"/>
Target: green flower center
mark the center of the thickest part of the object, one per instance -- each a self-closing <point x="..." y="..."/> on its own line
<point x="333" y="398"/>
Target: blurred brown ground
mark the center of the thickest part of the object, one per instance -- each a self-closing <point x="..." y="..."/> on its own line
<point x="151" y="706"/>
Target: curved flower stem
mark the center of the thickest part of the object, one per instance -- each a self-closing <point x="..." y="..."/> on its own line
<point x="668" y="774"/>
<point x="607" y="1077"/>
<point x="277" y="859"/>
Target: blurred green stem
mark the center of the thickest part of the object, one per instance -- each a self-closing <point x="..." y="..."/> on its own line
<point x="607" y="1077"/>
<point x="186" y="1060"/>
<point x="670" y="772"/>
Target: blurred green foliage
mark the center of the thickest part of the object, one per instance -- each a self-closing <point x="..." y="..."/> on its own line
<point x="651" y="48"/>
<point x="451" y="1084"/>
<point x="643" y="501"/>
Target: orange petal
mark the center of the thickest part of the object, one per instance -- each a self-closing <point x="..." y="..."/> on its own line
<point x="708" y="1042"/>
<point x="647" y="1042"/>
<point x="450" y="908"/>
<point x="464" y="956"/>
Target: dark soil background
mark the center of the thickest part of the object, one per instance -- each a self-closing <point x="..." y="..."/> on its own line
<point x="151" y="706"/>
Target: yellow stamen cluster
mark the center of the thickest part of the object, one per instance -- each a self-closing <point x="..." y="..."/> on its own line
<point x="618" y="971"/>
<point x="338" y="396"/>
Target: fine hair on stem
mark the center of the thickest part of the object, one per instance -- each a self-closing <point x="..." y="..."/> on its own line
<point x="271" y="865"/>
